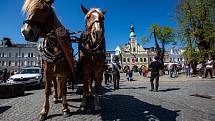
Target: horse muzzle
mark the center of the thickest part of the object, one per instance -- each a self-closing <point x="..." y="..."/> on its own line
<point x="98" y="34"/>
<point x="29" y="34"/>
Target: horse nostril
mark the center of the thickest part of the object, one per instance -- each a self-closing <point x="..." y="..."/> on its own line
<point x="31" y="32"/>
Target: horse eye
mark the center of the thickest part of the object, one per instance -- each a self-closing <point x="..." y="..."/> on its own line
<point x="88" y="16"/>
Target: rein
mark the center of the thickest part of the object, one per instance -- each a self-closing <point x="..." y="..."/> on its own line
<point x="86" y="39"/>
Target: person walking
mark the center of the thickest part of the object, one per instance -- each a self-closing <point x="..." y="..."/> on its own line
<point x="155" y="67"/>
<point x="5" y="75"/>
<point x="116" y="72"/>
<point x="209" y="67"/>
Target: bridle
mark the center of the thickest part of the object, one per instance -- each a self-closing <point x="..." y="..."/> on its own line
<point x="87" y="37"/>
<point x="42" y="26"/>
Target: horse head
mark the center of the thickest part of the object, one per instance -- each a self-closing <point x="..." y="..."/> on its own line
<point x="39" y="19"/>
<point x="94" y="19"/>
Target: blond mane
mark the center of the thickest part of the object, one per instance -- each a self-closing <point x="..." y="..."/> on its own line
<point x="30" y="6"/>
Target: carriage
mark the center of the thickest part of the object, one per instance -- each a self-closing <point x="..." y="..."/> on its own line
<point x="58" y="62"/>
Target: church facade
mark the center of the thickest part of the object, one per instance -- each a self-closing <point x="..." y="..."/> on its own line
<point x="133" y="54"/>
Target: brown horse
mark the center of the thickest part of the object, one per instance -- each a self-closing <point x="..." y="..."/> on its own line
<point x="42" y="22"/>
<point x="92" y="56"/>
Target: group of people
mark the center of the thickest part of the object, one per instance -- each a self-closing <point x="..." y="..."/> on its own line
<point x="5" y="75"/>
<point x="200" y="68"/>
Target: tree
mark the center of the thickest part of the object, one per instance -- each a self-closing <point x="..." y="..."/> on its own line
<point x="196" y="20"/>
<point x="166" y="36"/>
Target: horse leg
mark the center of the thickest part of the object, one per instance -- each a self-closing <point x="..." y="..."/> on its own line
<point x="98" y="80"/>
<point x="86" y="92"/>
<point x="56" y="98"/>
<point x="62" y="90"/>
<point x="45" y="110"/>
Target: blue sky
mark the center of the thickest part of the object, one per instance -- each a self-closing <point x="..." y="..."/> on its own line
<point x="120" y="14"/>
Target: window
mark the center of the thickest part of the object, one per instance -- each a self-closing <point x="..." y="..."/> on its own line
<point x="16" y="63"/>
<point x="0" y="54"/>
<point x="150" y="58"/>
<point x="9" y="54"/>
<point x="3" y="54"/>
<point x="128" y="59"/>
<point x="124" y="59"/>
<point x="144" y="59"/>
<point x="136" y="60"/>
<point x="32" y="55"/>
<point x="9" y="63"/>
<point x="134" y="49"/>
<point x="23" y="55"/>
<point x="141" y="59"/>
<point x="16" y="55"/>
<point x="31" y="63"/>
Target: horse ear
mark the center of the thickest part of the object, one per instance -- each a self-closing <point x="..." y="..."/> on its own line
<point x="49" y="1"/>
<point x="85" y="11"/>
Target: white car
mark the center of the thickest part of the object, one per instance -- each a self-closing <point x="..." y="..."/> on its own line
<point x="28" y="76"/>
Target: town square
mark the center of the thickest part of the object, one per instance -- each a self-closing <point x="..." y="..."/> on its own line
<point x="106" y="60"/>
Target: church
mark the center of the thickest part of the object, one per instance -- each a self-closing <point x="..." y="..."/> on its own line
<point x="133" y="54"/>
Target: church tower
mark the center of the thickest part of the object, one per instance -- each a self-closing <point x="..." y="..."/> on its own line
<point x="133" y="40"/>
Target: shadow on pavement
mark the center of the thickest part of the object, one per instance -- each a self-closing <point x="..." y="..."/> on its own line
<point x="4" y="108"/>
<point x="133" y="88"/>
<point x="128" y="108"/>
<point x="169" y="89"/>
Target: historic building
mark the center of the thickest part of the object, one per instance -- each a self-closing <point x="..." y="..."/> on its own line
<point x="133" y="54"/>
<point x="176" y="55"/>
<point x="16" y="56"/>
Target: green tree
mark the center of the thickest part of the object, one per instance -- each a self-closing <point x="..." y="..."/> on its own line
<point x="196" y="20"/>
<point x="163" y="35"/>
<point x="166" y="36"/>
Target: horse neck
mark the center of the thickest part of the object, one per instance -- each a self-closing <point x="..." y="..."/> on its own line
<point x="57" y="22"/>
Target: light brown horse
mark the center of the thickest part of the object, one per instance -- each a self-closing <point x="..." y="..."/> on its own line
<point x="92" y="56"/>
<point x="42" y="22"/>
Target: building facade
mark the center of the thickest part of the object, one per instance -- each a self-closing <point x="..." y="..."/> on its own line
<point x="15" y="56"/>
<point x="133" y="54"/>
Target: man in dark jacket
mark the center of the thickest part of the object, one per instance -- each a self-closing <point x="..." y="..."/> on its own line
<point x="116" y="72"/>
<point x="5" y="75"/>
<point x="155" y="67"/>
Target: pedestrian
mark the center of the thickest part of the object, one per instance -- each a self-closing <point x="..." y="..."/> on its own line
<point x="110" y="74"/>
<point x="171" y="70"/>
<point x="106" y="74"/>
<point x="130" y="75"/>
<point x="200" y="69"/>
<point x="127" y="73"/>
<point x="155" y="68"/>
<point x="5" y="75"/>
<point x="140" y="71"/>
<point x="116" y="72"/>
<point x="187" y="69"/>
<point x="209" y="67"/>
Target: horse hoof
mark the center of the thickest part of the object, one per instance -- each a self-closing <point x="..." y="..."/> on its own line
<point x="66" y="114"/>
<point x="43" y="117"/>
<point x="82" y="108"/>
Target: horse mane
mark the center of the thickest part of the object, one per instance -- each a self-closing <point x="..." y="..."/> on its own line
<point x="30" y="6"/>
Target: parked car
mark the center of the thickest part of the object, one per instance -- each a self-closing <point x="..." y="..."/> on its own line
<point x="28" y="76"/>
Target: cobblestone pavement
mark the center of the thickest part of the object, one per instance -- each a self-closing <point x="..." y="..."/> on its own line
<point x="132" y="102"/>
